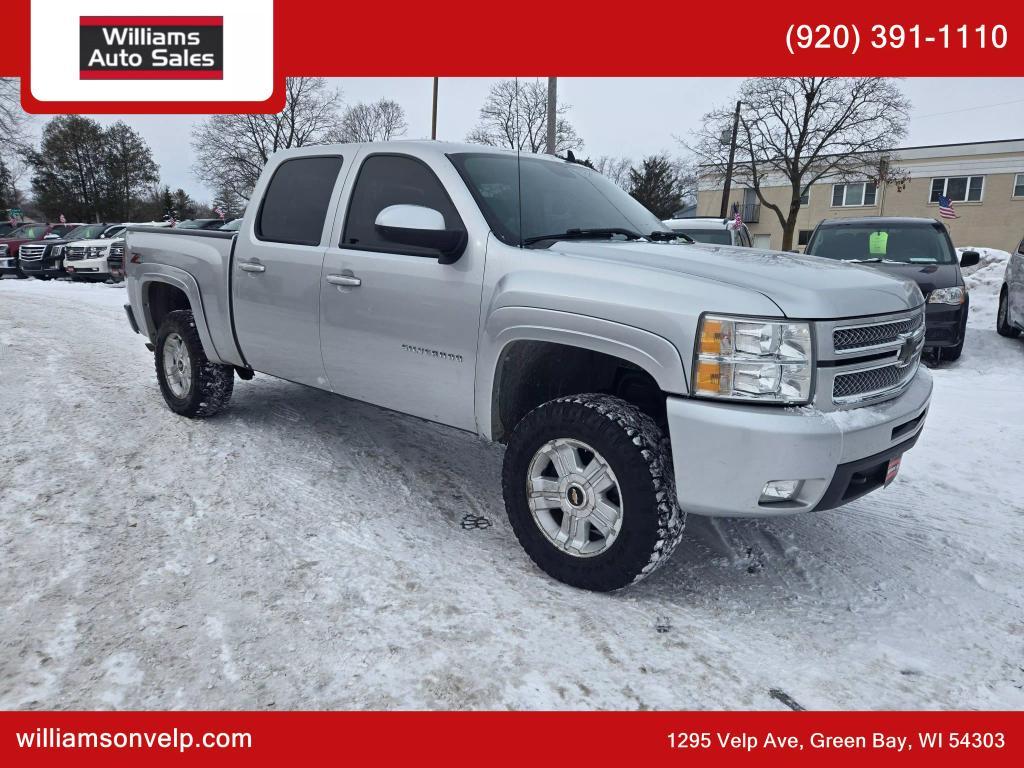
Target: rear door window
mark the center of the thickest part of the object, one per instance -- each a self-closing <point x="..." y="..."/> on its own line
<point x="295" y="204"/>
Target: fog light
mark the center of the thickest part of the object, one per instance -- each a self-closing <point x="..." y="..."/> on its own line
<point x="780" y="490"/>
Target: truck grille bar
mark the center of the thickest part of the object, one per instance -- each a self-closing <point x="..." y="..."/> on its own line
<point x="858" y="338"/>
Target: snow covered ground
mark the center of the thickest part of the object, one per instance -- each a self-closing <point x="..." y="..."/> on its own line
<point x="304" y="551"/>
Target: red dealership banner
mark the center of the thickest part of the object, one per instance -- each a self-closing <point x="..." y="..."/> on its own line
<point x="462" y="38"/>
<point x="512" y="738"/>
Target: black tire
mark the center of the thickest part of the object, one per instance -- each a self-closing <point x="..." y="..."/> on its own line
<point x="1003" y="327"/>
<point x="210" y="385"/>
<point x="639" y="456"/>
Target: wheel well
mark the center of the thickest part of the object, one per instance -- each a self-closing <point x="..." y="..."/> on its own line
<point x="530" y="373"/>
<point x="162" y="299"/>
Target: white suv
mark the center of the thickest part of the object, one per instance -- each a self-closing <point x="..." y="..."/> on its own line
<point x="712" y="230"/>
<point x="97" y="260"/>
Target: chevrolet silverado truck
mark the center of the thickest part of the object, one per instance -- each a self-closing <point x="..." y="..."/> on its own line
<point x="531" y="301"/>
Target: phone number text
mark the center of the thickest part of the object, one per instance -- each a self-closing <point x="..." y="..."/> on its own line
<point x="848" y="37"/>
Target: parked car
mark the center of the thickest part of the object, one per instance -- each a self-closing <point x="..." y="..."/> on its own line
<point x="1010" y="317"/>
<point x="44" y="259"/>
<point x="715" y="231"/>
<point x="11" y="244"/>
<point x="913" y="249"/>
<point x="532" y="301"/>
<point x="200" y="224"/>
<point x="96" y="260"/>
<point x="8" y="226"/>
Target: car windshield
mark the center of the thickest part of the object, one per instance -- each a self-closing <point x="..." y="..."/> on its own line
<point x="28" y="232"/>
<point x="715" y="236"/>
<point x="232" y="226"/>
<point x="556" y="198"/>
<point x="884" y="242"/>
<point x="85" y="232"/>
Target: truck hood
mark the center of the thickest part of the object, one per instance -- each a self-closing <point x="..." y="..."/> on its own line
<point x="927" y="276"/>
<point x="801" y="286"/>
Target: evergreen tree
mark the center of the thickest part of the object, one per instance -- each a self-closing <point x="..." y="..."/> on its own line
<point x="656" y="185"/>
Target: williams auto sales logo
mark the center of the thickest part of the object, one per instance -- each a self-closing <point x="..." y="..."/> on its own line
<point x="151" y="47"/>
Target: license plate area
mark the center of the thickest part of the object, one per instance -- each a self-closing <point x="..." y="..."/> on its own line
<point x="893" y="469"/>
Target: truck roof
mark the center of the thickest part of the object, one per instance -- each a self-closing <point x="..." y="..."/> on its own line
<point x="416" y="147"/>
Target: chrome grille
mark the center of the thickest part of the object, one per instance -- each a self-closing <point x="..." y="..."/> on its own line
<point x="75" y="253"/>
<point x="31" y="252"/>
<point x="859" y="337"/>
<point x="116" y="255"/>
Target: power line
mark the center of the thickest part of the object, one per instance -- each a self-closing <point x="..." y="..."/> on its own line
<point x="968" y="109"/>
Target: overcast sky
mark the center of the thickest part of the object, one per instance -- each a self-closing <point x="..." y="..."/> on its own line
<point x="625" y="116"/>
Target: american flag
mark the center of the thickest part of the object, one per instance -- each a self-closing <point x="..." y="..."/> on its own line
<point x="946" y="208"/>
<point x="219" y="211"/>
<point x="737" y="221"/>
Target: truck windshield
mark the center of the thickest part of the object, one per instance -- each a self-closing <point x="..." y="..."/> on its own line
<point x="557" y="197"/>
<point x="884" y="242"/>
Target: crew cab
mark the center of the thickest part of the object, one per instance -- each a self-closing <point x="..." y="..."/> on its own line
<point x="11" y="244"/>
<point x="527" y="299"/>
<point x="44" y="259"/>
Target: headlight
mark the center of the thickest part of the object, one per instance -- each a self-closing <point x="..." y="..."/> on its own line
<point x="955" y="295"/>
<point x="751" y="359"/>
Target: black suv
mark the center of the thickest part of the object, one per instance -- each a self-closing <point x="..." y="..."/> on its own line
<point x="44" y="259"/>
<point x="914" y="249"/>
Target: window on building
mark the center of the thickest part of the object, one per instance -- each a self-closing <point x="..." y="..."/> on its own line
<point x="859" y="193"/>
<point x="1018" y="185"/>
<point x="805" y="198"/>
<point x="803" y="236"/>
<point x="959" y="189"/>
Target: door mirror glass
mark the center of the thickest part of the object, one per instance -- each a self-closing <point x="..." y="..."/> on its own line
<point x="969" y="258"/>
<point x="423" y="227"/>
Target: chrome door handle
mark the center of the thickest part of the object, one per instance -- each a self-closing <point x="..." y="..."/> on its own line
<point x="347" y="280"/>
<point x="249" y="266"/>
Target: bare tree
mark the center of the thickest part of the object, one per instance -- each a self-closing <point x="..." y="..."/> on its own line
<point x="231" y="150"/>
<point x="13" y="120"/>
<point x="796" y="131"/>
<point x="382" y="120"/>
<point x="614" y="168"/>
<point x="515" y="116"/>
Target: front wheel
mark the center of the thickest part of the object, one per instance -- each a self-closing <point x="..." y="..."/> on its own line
<point x="1003" y="327"/>
<point x="590" y="492"/>
<point x="191" y="385"/>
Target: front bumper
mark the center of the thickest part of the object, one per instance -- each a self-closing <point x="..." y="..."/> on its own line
<point x="88" y="267"/>
<point x="724" y="454"/>
<point x="50" y="267"/>
<point x="9" y="265"/>
<point x="945" y="323"/>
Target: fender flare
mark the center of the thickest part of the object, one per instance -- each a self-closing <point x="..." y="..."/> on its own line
<point x="648" y="351"/>
<point x="183" y="281"/>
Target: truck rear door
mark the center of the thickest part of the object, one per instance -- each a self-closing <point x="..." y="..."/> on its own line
<point x="277" y="267"/>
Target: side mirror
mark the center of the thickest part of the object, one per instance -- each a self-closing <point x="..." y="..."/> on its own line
<point x="969" y="258"/>
<point x="423" y="227"/>
<point x="52" y="236"/>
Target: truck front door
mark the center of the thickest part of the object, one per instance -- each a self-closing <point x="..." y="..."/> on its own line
<point x="277" y="266"/>
<point x="397" y="328"/>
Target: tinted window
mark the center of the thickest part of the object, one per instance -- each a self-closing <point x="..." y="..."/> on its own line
<point x="393" y="180"/>
<point x="29" y="232"/>
<point x="295" y="204"/>
<point x="555" y="197"/>
<point x="85" y="232"/>
<point x="715" y="236"/>
<point x="880" y="241"/>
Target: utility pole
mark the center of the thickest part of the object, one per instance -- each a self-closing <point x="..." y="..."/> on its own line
<point x="728" y="168"/>
<point x="433" y="118"/>
<point x="552" y="114"/>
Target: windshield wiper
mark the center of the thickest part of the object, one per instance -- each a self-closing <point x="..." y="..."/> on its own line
<point x="865" y="261"/>
<point x="583" y="234"/>
<point x="659" y="235"/>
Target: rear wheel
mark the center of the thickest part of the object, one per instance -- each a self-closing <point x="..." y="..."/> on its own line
<point x="191" y="385"/>
<point x="590" y="492"/>
<point x="1003" y="327"/>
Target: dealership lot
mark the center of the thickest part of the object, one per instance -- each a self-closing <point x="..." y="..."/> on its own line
<point x="304" y="551"/>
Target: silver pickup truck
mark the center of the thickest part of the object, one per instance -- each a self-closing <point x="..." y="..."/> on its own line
<point x="633" y="378"/>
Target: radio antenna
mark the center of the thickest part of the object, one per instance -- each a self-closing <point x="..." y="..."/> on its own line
<point x="519" y="167"/>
